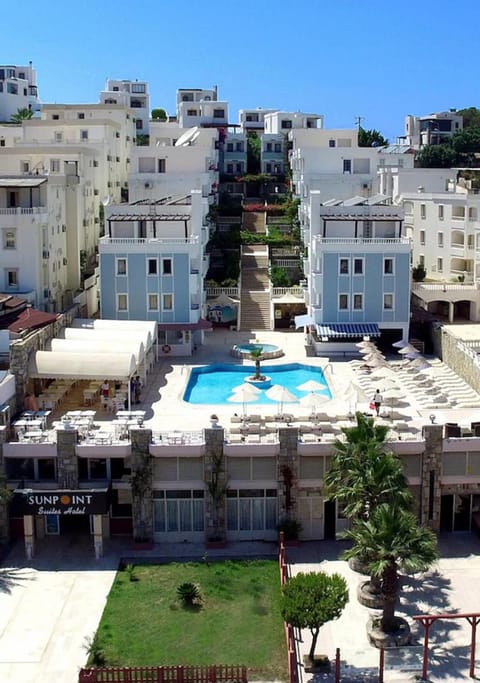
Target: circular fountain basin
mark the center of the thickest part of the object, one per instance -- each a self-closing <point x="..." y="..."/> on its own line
<point x="268" y="350"/>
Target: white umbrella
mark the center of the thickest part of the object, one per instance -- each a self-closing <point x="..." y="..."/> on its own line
<point x="365" y="345"/>
<point x="281" y="395"/>
<point x="311" y="385"/>
<point x="245" y="393"/>
<point x="394" y="394"/>
<point x="400" y="344"/>
<point x="407" y="349"/>
<point x="314" y="401"/>
<point x="413" y="356"/>
<point x="378" y="362"/>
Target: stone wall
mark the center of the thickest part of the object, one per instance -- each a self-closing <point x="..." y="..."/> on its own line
<point x="67" y="461"/>
<point x="216" y="482"/>
<point x="142" y="485"/>
<point x="287" y="473"/>
<point x="4" y="516"/>
<point x="21" y="350"/>
<point x="430" y="497"/>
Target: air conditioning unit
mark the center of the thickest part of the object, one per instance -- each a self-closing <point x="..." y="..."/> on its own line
<point x="64" y="228"/>
<point x="65" y="261"/>
<point x="365" y="186"/>
<point x="148" y="186"/>
<point x="46" y="254"/>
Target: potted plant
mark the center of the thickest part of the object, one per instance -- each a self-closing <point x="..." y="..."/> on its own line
<point x="291" y="531"/>
<point x="140" y="482"/>
<point x="217" y="488"/>
<point x="213" y="420"/>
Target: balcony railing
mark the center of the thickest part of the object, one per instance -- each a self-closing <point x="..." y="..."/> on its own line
<point x="140" y="241"/>
<point x="388" y="241"/>
<point x="292" y="291"/>
<point x="19" y="211"/>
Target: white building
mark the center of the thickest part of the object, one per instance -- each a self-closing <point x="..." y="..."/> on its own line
<point x="284" y="121"/>
<point x="176" y="162"/>
<point x="332" y="161"/>
<point x="82" y="154"/>
<point x="132" y="95"/>
<point x="253" y="119"/>
<point x="196" y="107"/>
<point x="18" y="90"/>
<point x="433" y="129"/>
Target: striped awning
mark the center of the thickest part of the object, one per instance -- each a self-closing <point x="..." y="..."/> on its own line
<point x="335" y="330"/>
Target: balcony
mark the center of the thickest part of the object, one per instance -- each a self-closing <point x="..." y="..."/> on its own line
<point x="110" y="245"/>
<point x="18" y="216"/>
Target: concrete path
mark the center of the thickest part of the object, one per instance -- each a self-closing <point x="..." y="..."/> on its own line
<point x="450" y="586"/>
<point x="48" y="607"/>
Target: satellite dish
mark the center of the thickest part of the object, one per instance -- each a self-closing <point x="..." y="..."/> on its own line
<point x="187" y="137"/>
<point x="106" y="200"/>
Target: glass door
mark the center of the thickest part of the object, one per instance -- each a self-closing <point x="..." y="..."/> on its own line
<point x="52" y="525"/>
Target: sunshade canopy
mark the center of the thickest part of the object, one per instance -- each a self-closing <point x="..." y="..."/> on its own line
<point x="50" y="364"/>
<point x="79" y="346"/>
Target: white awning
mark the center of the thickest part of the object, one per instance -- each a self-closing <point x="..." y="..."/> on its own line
<point x="93" y="366"/>
<point x="107" y="346"/>
<point x="112" y="335"/>
<point x="303" y="320"/>
<point x="147" y="326"/>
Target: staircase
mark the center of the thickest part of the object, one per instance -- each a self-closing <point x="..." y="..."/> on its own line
<point x="255" y="289"/>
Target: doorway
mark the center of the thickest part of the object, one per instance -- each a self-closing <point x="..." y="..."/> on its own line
<point x="329" y="519"/>
<point x="75" y="524"/>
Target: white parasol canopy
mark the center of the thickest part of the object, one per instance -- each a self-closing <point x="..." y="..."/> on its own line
<point x="407" y="349"/>
<point x="400" y="344"/>
<point x="311" y="385"/>
<point x="281" y="395"/>
<point x="314" y="401"/>
<point x="245" y="393"/>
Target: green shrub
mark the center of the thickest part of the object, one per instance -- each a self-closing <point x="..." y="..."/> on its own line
<point x="189" y="594"/>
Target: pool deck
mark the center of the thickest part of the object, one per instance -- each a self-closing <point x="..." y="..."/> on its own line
<point x="162" y="398"/>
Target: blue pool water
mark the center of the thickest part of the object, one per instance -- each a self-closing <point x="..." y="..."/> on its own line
<point x="266" y="348"/>
<point x="215" y="383"/>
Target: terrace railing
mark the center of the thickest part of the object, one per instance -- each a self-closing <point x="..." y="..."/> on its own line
<point x="218" y="673"/>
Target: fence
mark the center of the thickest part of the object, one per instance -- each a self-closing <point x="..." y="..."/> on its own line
<point x="289" y="635"/>
<point x="164" y="674"/>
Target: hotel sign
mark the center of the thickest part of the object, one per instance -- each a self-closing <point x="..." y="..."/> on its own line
<point x="78" y="502"/>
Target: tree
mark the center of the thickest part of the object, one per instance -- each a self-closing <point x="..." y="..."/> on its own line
<point x="311" y="600"/>
<point x="466" y="141"/>
<point x="20" y="115"/>
<point x="392" y="539"/>
<point x="419" y="273"/>
<point x="371" y="138"/>
<point x="279" y="277"/>
<point x="471" y="117"/>
<point x="159" y="114"/>
<point x="436" y="156"/>
<point x="362" y="475"/>
<point x="257" y="355"/>
<point x="254" y="153"/>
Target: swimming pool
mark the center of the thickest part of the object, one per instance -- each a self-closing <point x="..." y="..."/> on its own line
<point x="213" y="384"/>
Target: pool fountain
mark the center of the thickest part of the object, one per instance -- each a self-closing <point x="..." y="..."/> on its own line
<point x="268" y="350"/>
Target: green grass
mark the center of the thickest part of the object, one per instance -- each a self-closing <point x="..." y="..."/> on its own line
<point x="239" y="621"/>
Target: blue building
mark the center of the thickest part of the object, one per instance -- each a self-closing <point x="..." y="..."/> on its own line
<point x="152" y="267"/>
<point x="358" y="268"/>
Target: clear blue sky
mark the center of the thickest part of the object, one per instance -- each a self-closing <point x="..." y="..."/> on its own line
<point x="341" y="58"/>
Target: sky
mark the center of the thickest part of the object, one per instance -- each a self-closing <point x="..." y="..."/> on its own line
<point x="340" y="58"/>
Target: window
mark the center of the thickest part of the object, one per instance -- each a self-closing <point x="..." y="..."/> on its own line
<point x="358" y="302"/>
<point x="239" y="168"/>
<point x="84" y="135"/>
<point x="388" y="266"/>
<point x="343" y="266"/>
<point x="58" y="137"/>
<point x="347" y="165"/>
<point x="331" y="143"/>
<point x="387" y="302"/>
<point x="230" y="169"/>
<point x="162" y="165"/>
<point x="472" y="213"/>
<point x="239" y="146"/>
<point x="153" y="302"/>
<point x="343" y="302"/>
<point x="286" y="123"/>
<point x="440" y="212"/>
<point x="138" y="124"/>
<point x="177" y="511"/>
<point x="122" y="302"/>
<point x="54" y="165"/>
<point x="219" y="113"/>
<point x="440" y="265"/>
<point x="9" y="238"/>
<point x="421" y="259"/>
<point x="138" y="88"/>
<point x="251" y="509"/>
<point x="152" y="266"/>
<point x="192" y="112"/>
<point x="121" y="266"/>
<point x="229" y="146"/>
<point x="25" y="166"/>
<point x="11" y="278"/>
<point x="167" y="302"/>
<point x="358" y="266"/>
<point x="423" y="211"/>
<point x="2" y="142"/>
<point x="167" y="266"/>
<point x="80" y="115"/>
<point x="440" y="239"/>
<point x="422" y="237"/>
<point x="278" y="147"/>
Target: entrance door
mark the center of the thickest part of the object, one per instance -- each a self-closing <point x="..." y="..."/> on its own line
<point x="462" y="512"/>
<point x="330" y="517"/>
<point x="75" y="524"/>
<point x="446" y="513"/>
<point x="52" y="525"/>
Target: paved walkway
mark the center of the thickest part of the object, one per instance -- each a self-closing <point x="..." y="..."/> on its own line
<point x="450" y="586"/>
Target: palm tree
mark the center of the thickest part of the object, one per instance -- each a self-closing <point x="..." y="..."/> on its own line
<point x="257" y="355"/>
<point x="392" y="539"/>
<point x="20" y="115"/>
<point x="362" y="475"/>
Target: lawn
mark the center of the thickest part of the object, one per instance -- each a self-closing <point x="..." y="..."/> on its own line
<point x="239" y="622"/>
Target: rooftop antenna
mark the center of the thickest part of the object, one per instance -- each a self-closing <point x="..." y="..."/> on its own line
<point x="358" y="121"/>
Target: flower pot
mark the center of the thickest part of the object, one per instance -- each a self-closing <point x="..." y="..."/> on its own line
<point x="142" y="545"/>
